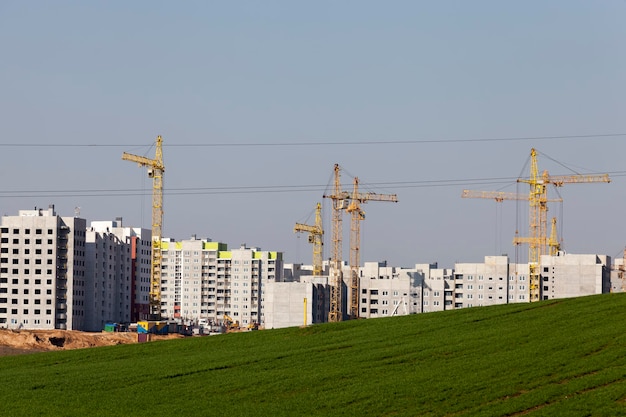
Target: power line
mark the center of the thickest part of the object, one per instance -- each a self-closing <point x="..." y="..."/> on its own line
<point x="321" y="143"/>
<point x="263" y="189"/>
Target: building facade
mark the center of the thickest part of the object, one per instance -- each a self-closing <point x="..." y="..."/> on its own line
<point x="288" y="304"/>
<point x="569" y="275"/>
<point x="203" y="281"/>
<point x="118" y="273"/>
<point x="388" y="291"/>
<point x="42" y="271"/>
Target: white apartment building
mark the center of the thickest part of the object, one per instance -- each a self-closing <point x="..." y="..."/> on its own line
<point x="570" y="275"/>
<point x="117" y="273"/>
<point x="203" y="280"/>
<point x="389" y="291"/>
<point x="495" y="281"/>
<point x="42" y="271"/>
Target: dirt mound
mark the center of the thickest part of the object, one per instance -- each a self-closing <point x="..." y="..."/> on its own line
<point x="16" y="341"/>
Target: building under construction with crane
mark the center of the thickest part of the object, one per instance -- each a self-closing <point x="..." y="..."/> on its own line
<point x="376" y="290"/>
<point x="147" y="277"/>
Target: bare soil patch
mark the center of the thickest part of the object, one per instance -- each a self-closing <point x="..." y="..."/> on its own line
<point x="13" y="342"/>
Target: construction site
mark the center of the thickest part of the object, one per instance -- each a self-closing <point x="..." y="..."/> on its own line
<point x="200" y="287"/>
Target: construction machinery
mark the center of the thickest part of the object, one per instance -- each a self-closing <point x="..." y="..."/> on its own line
<point x="358" y="215"/>
<point x="155" y="171"/>
<point x="538" y="241"/>
<point x="343" y="200"/>
<point x="338" y="198"/>
<point x="316" y="234"/>
<point x="230" y="323"/>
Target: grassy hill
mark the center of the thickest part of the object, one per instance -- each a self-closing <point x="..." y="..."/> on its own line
<point x="564" y="357"/>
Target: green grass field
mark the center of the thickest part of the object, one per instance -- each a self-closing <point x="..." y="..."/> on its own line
<point x="563" y="357"/>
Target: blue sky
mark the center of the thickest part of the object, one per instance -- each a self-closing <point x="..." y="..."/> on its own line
<point x="256" y="101"/>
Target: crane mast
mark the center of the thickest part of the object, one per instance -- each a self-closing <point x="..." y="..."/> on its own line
<point x="155" y="171"/>
<point x="316" y="234"/>
<point x="338" y="198"/>
<point x="357" y="215"/>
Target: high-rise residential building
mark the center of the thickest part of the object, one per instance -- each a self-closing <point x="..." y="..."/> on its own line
<point x="203" y="281"/>
<point x="118" y="273"/>
<point x="42" y="271"/>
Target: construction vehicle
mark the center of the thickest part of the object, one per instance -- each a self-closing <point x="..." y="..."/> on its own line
<point x="231" y="325"/>
<point x="155" y="171"/>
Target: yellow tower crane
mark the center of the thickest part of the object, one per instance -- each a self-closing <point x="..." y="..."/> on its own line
<point x="316" y="234"/>
<point x="338" y="198"/>
<point x="357" y="215"/>
<point x="155" y="171"/>
<point x="537" y="241"/>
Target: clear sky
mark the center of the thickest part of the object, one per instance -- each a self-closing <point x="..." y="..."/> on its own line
<point x="257" y="100"/>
